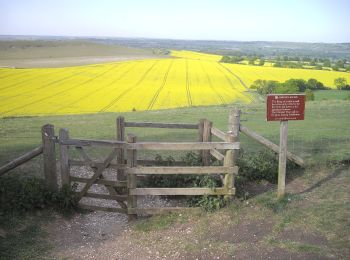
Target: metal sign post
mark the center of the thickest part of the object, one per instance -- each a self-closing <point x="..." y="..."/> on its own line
<point x="282" y="108"/>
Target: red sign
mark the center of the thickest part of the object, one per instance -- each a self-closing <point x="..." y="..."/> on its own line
<point x="285" y="107"/>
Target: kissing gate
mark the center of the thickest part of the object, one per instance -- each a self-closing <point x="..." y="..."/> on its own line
<point x="123" y="161"/>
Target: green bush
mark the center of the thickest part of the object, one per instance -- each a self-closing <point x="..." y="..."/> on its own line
<point x="18" y="195"/>
<point x="309" y="95"/>
<point x="262" y="165"/>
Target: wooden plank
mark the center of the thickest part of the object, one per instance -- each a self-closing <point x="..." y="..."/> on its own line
<point x="108" y="209"/>
<point x="282" y="161"/>
<point x="180" y="191"/>
<point x="206" y="138"/>
<point x="219" y="156"/>
<point x="95" y="164"/>
<point x="156" y="211"/>
<point x="183" y="146"/>
<point x="49" y="152"/>
<point x="155" y="162"/>
<point x="21" y="159"/>
<point x="183" y="170"/>
<point x="218" y="133"/>
<point x="229" y="179"/>
<point x="262" y="140"/>
<point x="161" y="125"/>
<point x="131" y="178"/>
<point x="106" y="196"/>
<point x="88" y="142"/>
<point x="83" y="154"/>
<point x="64" y="158"/>
<point x="97" y="174"/>
<point x="234" y="123"/>
<point x="117" y="184"/>
<point x="120" y="125"/>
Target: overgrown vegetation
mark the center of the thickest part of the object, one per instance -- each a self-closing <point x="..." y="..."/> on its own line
<point x="264" y="87"/>
<point x="20" y="195"/>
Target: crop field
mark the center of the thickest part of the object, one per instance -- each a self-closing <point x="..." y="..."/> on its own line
<point x="185" y="80"/>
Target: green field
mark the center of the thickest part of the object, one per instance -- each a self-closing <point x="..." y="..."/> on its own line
<point x="324" y="135"/>
<point x="331" y="94"/>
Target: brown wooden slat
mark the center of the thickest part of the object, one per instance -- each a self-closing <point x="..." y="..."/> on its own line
<point x="117" y="184"/>
<point x="183" y="146"/>
<point x="180" y="191"/>
<point x="218" y="133"/>
<point x="262" y="140"/>
<point x="97" y="173"/>
<point x="21" y="159"/>
<point x="219" y="156"/>
<point x="106" y="196"/>
<point x="95" y="164"/>
<point x="183" y="170"/>
<point x="161" y="125"/>
<point x="87" y="142"/>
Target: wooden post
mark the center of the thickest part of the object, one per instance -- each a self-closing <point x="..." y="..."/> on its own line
<point x="132" y="178"/>
<point x="200" y="135"/>
<point x="48" y="135"/>
<point x="282" y="159"/>
<point x="64" y="158"/>
<point x="206" y="138"/>
<point x="229" y="162"/>
<point x="120" y="151"/>
<point x="233" y="128"/>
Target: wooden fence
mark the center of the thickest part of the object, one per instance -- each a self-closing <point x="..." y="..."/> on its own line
<point x="129" y="167"/>
<point x="123" y="158"/>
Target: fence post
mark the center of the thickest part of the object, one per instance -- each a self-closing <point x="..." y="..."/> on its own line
<point x="206" y="138"/>
<point x="282" y="160"/>
<point x="64" y="159"/>
<point x="233" y="128"/>
<point x="120" y="152"/>
<point x="131" y="178"/>
<point x="49" y="155"/>
<point x="229" y="162"/>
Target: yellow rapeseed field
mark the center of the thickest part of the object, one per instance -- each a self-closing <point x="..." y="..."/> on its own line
<point x="189" y="79"/>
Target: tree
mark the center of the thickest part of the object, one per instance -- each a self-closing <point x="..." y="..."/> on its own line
<point x="327" y="63"/>
<point x="340" y="83"/>
<point x="309" y="95"/>
<point x="264" y="87"/>
<point x="261" y="62"/>
<point x="313" y="84"/>
<point x="300" y="84"/>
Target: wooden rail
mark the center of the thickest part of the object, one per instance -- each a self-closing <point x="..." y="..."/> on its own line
<point x="262" y="140"/>
<point x="183" y="170"/>
<point x="218" y="133"/>
<point x="182" y="146"/>
<point x="21" y="159"/>
<point x="161" y="125"/>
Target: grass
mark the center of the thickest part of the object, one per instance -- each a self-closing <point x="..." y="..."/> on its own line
<point x="331" y="94"/>
<point x="323" y="135"/>
<point x="24" y="239"/>
<point x="310" y="224"/>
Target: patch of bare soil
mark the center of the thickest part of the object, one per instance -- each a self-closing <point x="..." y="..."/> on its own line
<point x="301" y="236"/>
<point x="246" y="232"/>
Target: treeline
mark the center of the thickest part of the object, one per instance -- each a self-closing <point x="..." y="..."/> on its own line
<point x="237" y="59"/>
<point x="293" y="62"/>
<point x="264" y="87"/>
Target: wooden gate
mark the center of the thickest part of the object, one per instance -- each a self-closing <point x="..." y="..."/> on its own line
<point x="127" y="167"/>
<point x="116" y="187"/>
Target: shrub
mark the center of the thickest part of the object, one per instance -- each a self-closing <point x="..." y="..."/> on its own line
<point x="18" y="195"/>
<point x="309" y="95"/>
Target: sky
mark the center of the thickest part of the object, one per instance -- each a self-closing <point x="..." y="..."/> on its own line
<point x="238" y="20"/>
